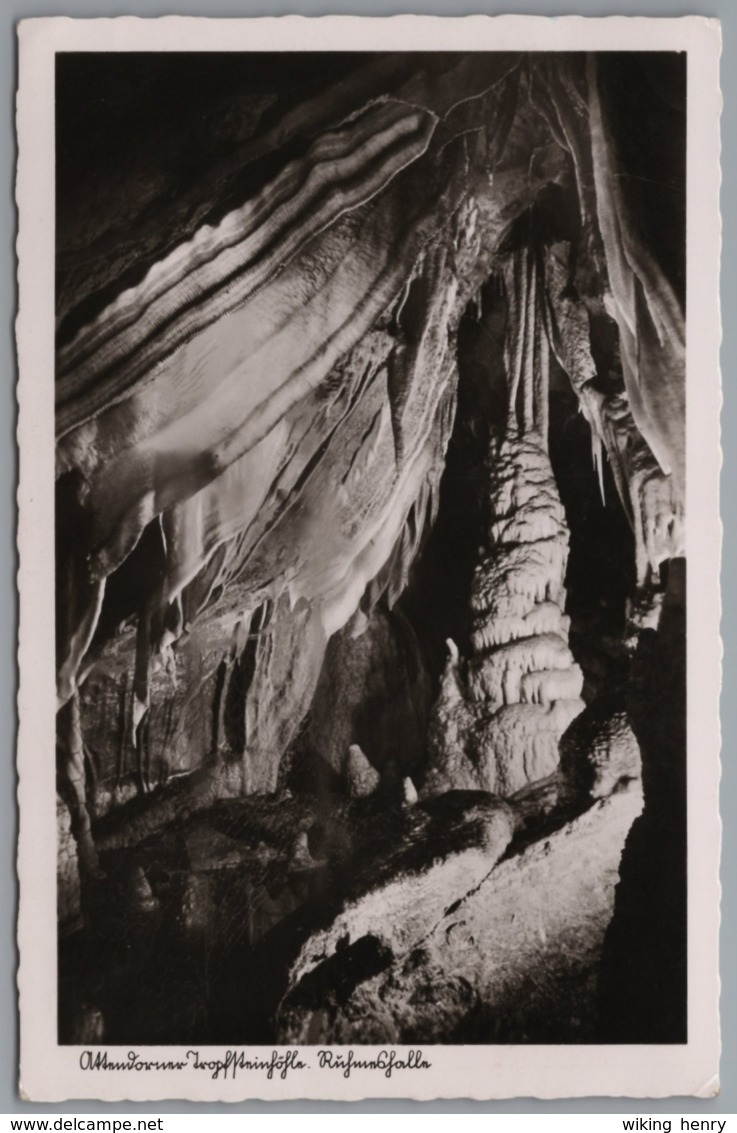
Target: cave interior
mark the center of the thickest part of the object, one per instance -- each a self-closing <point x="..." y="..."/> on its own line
<point x="370" y="635"/>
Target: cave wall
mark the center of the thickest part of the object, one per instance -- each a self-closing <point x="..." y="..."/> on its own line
<point x="375" y="692"/>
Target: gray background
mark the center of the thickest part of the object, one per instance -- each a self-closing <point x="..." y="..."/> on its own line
<point x="14" y="10"/>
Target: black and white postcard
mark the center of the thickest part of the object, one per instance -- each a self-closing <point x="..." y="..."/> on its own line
<point x="369" y="557"/>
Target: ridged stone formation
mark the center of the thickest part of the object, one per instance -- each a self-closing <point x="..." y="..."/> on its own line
<point x="502" y="710"/>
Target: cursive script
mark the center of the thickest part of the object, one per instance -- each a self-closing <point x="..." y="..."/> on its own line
<point x="277" y="1064"/>
<point x="387" y="1061"/>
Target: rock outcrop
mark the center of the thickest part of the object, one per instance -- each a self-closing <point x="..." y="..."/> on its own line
<point x="599" y="751"/>
<point x="473" y="951"/>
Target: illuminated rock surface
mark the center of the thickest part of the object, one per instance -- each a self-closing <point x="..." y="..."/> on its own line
<point x="512" y="957"/>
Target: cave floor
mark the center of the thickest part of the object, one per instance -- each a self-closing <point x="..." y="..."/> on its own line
<point x="177" y="944"/>
<point x="191" y="935"/>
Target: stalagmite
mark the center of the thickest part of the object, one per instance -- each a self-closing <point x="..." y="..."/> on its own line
<point x="409" y="792"/>
<point x="362" y="778"/>
<point x="301" y="855"/>
<point x="502" y="710"/>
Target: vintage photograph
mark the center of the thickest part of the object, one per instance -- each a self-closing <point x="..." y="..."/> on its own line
<point x="370" y="581"/>
<point x="370" y="514"/>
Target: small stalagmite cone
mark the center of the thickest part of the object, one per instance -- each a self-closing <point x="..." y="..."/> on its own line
<point x="362" y="778"/>
<point x="140" y="893"/>
<point x="409" y="792"/>
<point x="301" y="856"/>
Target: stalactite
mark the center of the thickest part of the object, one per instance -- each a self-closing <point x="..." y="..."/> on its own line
<point x="649" y="317"/>
<point x="597" y="457"/>
<point x="638" y="477"/>
<point x="542" y="381"/>
<point x="526" y="346"/>
<point x="513" y="345"/>
<point x="529" y="360"/>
